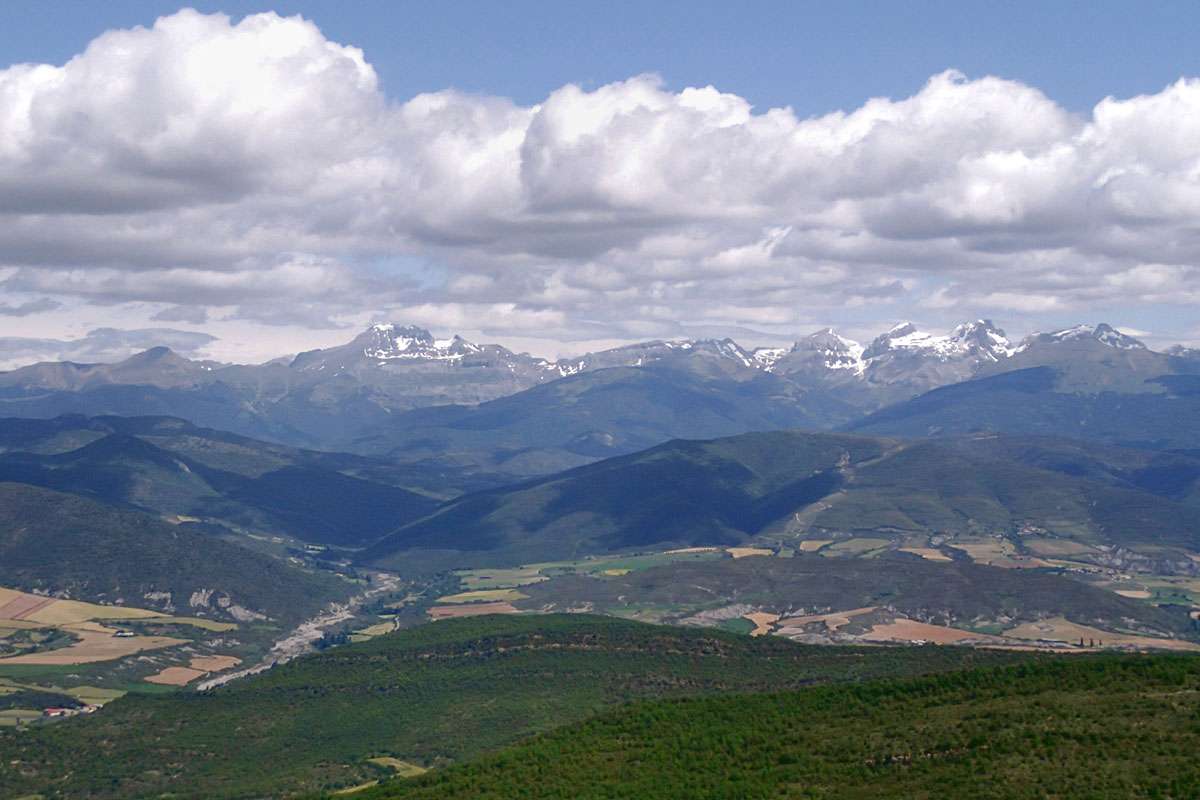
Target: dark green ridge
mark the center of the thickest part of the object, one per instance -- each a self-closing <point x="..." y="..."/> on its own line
<point x="1090" y="727"/>
<point x="431" y="695"/>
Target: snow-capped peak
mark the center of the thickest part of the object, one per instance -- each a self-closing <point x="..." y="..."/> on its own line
<point x="835" y="351"/>
<point x="765" y="357"/>
<point x="980" y="339"/>
<point x="388" y="342"/>
<point x="1103" y="333"/>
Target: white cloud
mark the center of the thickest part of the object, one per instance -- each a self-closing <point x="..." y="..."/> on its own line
<point x="257" y="166"/>
<point x="101" y="345"/>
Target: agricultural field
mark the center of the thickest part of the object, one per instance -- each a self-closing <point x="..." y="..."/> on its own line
<point x="198" y="667"/>
<point x="949" y="591"/>
<point x="97" y="652"/>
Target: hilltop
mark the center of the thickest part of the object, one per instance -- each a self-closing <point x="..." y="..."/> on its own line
<point x="425" y="697"/>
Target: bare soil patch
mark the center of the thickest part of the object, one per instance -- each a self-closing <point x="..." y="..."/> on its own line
<point x="762" y="622"/>
<point x="176" y="676"/>
<point x="471" y="610"/>
<point x="744" y="552"/>
<point x="908" y="630"/>
<point x="927" y="553"/>
<point x="214" y="663"/>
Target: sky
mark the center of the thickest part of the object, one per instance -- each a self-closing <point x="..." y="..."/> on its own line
<point x="240" y="181"/>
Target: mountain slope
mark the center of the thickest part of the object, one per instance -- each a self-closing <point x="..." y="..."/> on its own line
<point x="181" y="471"/>
<point x="682" y="493"/>
<point x="786" y="483"/>
<point x="431" y="695"/>
<point x="1164" y="414"/>
<point x="888" y="585"/>
<point x="593" y="415"/>
<point x="66" y="544"/>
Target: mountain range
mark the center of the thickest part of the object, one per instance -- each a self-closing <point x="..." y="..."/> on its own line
<point x="400" y="392"/>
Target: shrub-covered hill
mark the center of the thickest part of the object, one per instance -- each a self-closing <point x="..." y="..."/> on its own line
<point x="61" y="543"/>
<point x="958" y="592"/>
<point x="439" y="693"/>
<point x="1106" y="727"/>
<point x="169" y="466"/>
<point x="1043" y="401"/>
<point x="727" y="491"/>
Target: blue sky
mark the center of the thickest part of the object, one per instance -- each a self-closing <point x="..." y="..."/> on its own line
<point x="257" y="180"/>
<point x="813" y="56"/>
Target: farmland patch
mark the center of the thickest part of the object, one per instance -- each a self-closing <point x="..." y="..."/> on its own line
<point x="471" y="610"/>
<point x="1060" y="629"/>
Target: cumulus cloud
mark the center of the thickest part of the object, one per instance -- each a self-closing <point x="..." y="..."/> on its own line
<point x="30" y="307"/>
<point x="101" y="345"/>
<point x="257" y="166"/>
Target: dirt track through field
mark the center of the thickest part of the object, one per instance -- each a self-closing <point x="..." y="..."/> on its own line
<point x="21" y="606"/>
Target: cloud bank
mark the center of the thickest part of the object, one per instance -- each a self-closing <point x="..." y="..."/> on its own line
<point x="254" y="172"/>
<point x="99" y="346"/>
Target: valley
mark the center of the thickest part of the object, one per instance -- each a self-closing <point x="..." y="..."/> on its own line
<point x="581" y="401"/>
<point x="671" y="521"/>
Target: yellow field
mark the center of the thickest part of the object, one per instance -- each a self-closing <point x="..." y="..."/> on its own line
<point x="484" y="596"/>
<point x="998" y="553"/>
<point x="615" y="573"/>
<point x="762" y="622"/>
<point x="94" y="695"/>
<point x="1134" y="594"/>
<point x="927" y="553"/>
<point x="745" y="552"/>
<point x="501" y="578"/>
<point x="908" y="630"/>
<point x="195" y="622"/>
<point x="197" y="668"/>
<point x="1060" y="629"/>
<point x="15" y="716"/>
<point x="832" y="621"/>
<point x="813" y="545"/>
<point x="65" y="612"/>
<point x="214" y="663"/>
<point x="352" y="789"/>
<point x="680" y="550"/>
<point x="175" y="676"/>
<point x="471" y="610"/>
<point x="19" y="625"/>
<point x="378" y="629"/>
<point x="95" y="643"/>
<point x="404" y="769"/>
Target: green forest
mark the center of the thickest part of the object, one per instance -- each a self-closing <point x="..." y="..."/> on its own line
<point x="1081" y="727"/>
